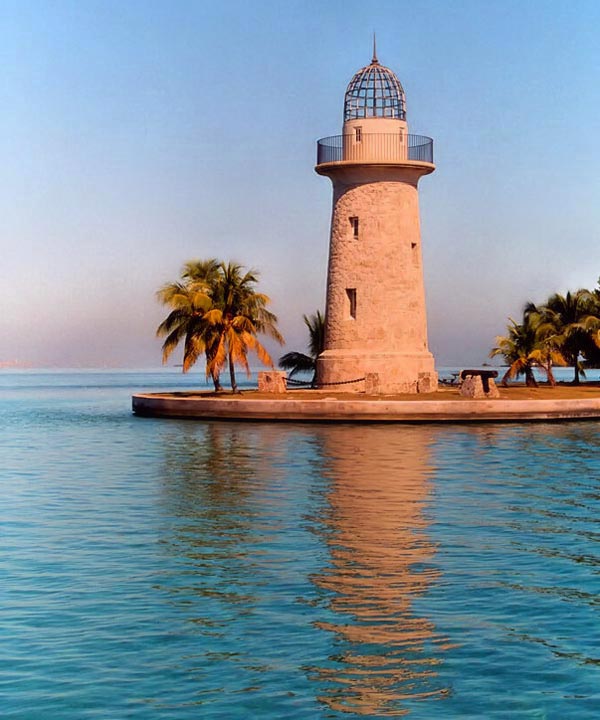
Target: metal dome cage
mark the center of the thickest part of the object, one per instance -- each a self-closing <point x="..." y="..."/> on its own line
<point x="374" y="91"/>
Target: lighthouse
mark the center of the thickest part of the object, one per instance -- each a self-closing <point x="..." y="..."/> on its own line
<point x="375" y="320"/>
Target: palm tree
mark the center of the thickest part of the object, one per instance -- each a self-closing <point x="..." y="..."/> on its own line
<point x="573" y="321"/>
<point x="187" y="321"/>
<point x="547" y="351"/>
<point x="297" y="362"/>
<point x="237" y="316"/>
<point x="519" y="351"/>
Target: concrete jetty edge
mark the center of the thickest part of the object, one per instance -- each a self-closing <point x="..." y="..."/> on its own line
<point x="380" y="410"/>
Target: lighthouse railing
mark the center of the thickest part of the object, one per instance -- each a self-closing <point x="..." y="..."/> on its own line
<point x="375" y="147"/>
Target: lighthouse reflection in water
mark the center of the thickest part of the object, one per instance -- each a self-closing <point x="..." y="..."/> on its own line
<point x="307" y="554"/>
<point x="381" y="561"/>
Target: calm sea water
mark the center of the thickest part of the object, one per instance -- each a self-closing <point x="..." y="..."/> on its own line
<point x="170" y="569"/>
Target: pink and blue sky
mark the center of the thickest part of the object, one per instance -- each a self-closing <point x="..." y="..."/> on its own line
<point x="137" y="135"/>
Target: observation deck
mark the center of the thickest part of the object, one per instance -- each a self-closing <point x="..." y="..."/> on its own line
<point x="375" y="148"/>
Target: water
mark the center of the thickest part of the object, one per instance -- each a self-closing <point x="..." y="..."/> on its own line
<point x="170" y="569"/>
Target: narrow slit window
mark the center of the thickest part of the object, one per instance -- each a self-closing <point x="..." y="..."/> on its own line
<point x="358" y="134"/>
<point x="351" y="293"/>
<point x="415" y="254"/>
<point x="354" y="225"/>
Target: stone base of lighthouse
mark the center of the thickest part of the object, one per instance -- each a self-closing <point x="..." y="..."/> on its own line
<point x="377" y="373"/>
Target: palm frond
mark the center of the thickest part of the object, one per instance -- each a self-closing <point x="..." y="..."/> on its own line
<point x="194" y="347"/>
<point x="296" y="362"/>
<point x="171" y="342"/>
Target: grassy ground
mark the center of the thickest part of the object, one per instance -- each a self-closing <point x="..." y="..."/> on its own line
<point x="563" y="391"/>
<point x="517" y="391"/>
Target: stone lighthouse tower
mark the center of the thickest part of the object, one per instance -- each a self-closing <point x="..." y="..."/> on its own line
<point x="376" y="326"/>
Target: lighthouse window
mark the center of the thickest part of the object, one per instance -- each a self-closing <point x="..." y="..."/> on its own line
<point x="358" y="132"/>
<point x="415" y="254"/>
<point x="351" y="293"/>
<point x="354" y="225"/>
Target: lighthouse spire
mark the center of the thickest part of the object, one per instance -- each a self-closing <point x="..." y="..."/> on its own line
<point x="374" y="61"/>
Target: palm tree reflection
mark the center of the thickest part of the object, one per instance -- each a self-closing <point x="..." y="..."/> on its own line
<point x="212" y="478"/>
<point x="381" y="562"/>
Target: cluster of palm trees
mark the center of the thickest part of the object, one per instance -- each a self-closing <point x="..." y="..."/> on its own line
<point x="217" y="312"/>
<point x="563" y="331"/>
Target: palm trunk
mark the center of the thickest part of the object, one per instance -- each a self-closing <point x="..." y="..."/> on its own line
<point x="530" y="380"/>
<point x="234" y="386"/>
<point x="550" y="374"/>
<point x="576" y="377"/>
<point x="212" y="370"/>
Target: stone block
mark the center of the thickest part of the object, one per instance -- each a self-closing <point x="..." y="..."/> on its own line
<point x="493" y="391"/>
<point x="427" y="383"/>
<point x="372" y="384"/>
<point x="272" y="381"/>
<point x="473" y="387"/>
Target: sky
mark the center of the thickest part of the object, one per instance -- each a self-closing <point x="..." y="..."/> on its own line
<point x="137" y="135"/>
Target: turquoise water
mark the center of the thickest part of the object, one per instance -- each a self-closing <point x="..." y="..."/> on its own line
<point x="170" y="569"/>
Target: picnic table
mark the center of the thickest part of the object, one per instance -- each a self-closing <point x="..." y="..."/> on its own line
<point x="486" y="376"/>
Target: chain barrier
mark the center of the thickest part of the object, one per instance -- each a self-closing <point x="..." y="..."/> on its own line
<point x="318" y="385"/>
<point x="342" y="382"/>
